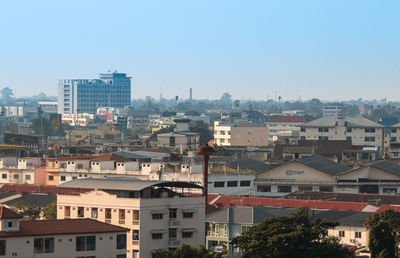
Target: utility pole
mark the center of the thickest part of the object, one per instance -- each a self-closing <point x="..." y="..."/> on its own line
<point x="205" y="151"/>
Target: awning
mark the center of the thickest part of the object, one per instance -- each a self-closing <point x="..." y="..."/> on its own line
<point x="158" y="231"/>
<point x="189" y="210"/>
<point x="159" y="212"/>
<point x="189" y="230"/>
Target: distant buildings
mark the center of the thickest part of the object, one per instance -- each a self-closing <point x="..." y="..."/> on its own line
<point x="284" y="126"/>
<point x="332" y="111"/>
<point x="86" y="95"/>
<point x="240" y="134"/>
<point x="181" y="138"/>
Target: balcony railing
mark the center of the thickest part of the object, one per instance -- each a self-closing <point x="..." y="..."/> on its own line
<point x="174" y="223"/>
<point x="135" y="242"/>
<point x="121" y="221"/>
<point x="135" y="222"/>
<point x="174" y="243"/>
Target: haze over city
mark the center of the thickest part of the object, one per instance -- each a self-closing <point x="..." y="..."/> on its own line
<point x="329" y="50"/>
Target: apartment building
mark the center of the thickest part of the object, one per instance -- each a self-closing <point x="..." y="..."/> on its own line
<point x="64" y="169"/>
<point x="182" y="138"/>
<point x="158" y="214"/>
<point x="225" y="224"/>
<point x="15" y="170"/>
<point x="59" y="238"/>
<point x="361" y="131"/>
<point x="284" y="126"/>
<point x="240" y="134"/>
<point x="86" y="95"/>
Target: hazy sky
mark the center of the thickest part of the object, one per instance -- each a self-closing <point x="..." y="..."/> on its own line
<point x="252" y="49"/>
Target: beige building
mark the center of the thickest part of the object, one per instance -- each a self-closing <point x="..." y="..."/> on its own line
<point x="240" y="134"/>
<point x="361" y="131"/>
<point x="284" y="126"/>
<point x="158" y="214"/>
<point x="59" y="238"/>
<point x="77" y="119"/>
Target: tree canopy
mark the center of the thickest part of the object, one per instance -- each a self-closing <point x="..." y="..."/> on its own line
<point x="298" y="235"/>
<point x="186" y="251"/>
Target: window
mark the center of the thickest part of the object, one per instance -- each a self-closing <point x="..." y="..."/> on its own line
<point x="2" y="247"/>
<point x="393" y="139"/>
<point x="67" y="211"/>
<point x="121" y="241"/>
<point x="172" y="213"/>
<point x="245" y="183"/>
<point x="323" y="138"/>
<point x="232" y="183"/>
<point x="357" y="234"/>
<point x="10" y="224"/>
<point x="43" y="245"/>
<point x="305" y="188"/>
<point x="94" y="213"/>
<point x="108" y="213"/>
<point x="303" y="129"/>
<point x="51" y="178"/>
<point x="370" y="130"/>
<point x="187" y="215"/>
<point x="323" y="129"/>
<point x="187" y="234"/>
<point x="156" y="236"/>
<point x="244" y="228"/>
<point x="326" y="189"/>
<point x="4" y="176"/>
<point x="85" y="243"/>
<point x="219" y="183"/>
<point x="264" y="188"/>
<point x="81" y="212"/>
<point x="369" y="139"/>
<point x="15" y="176"/>
<point x="394" y="130"/>
<point x="135" y="234"/>
<point x="62" y="178"/>
<point x="27" y="177"/>
<point x="172" y="233"/>
<point x="158" y="216"/>
<point x="349" y="129"/>
<point x="284" y="189"/>
<point x="341" y="233"/>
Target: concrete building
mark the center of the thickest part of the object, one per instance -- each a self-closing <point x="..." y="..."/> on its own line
<point x="182" y="138"/>
<point x="158" y="214"/>
<point x="361" y="131"/>
<point x="225" y="224"/>
<point x="59" y="238"/>
<point x="86" y="95"/>
<point x="15" y="170"/>
<point x="332" y="111"/>
<point x="240" y="134"/>
<point x="284" y="126"/>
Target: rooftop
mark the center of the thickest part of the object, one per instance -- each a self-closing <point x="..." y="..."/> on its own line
<point x="288" y="119"/>
<point x="357" y="122"/>
<point x="62" y="227"/>
<point x="35" y="200"/>
<point x="8" y="214"/>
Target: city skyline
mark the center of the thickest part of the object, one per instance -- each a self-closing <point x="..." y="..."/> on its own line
<point x="331" y="51"/>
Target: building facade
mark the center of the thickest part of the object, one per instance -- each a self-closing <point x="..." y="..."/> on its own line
<point x="284" y="126"/>
<point x="240" y="134"/>
<point x="159" y="214"/>
<point x="86" y="95"/>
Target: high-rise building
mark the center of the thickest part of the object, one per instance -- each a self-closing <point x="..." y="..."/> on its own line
<point x="86" y="95"/>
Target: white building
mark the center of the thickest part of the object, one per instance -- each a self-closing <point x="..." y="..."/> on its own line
<point x="361" y="131"/>
<point x="159" y="214"/>
<point x="15" y="170"/>
<point x="284" y="126"/>
<point x="240" y="134"/>
<point x="332" y="111"/>
<point x="59" y="238"/>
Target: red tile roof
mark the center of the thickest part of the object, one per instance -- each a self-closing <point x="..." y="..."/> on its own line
<point x="223" y="201"/>
<point x="385" y="207"/>
<point x="63" y="227"/>
<point x="6" y="213"/>
<point x="288" y="119"/>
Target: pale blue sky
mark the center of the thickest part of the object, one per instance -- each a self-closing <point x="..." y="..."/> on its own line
<point x="252" y="49"/>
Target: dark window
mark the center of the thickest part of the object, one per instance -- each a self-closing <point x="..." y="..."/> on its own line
<point x="357" y="234"/>
<point x="108" y="213"/>
<point x="15" y="176"/>
<point x="43" y="245"/>
<point x="172" y="213"/>
<point x="2" y="247"/>
<point x="4" y="176"/>
<point x="156" y="236"/>
<point x="187" y="215"/>
<point x="10" y="224"/>
<point x="369" y="139"/>
<point x="51" y="178"/>
<point x="305" y="188"/>
<point x="284" y="189"/>
<point x="341" y="233"/>
<point x="62" y="178"/>
<point x="121" y="241"/>
<point x="302" y="137"/>
<point x="349" y="129"/>
<point x="232" y="183"/>
<point x="245" y="183"/>
<point x="323" y="129"/>
<point x="393" y="139"/>
<point x="49" y="245"/>
<point x="172" y="233"/>
<point x="326" y="189"/>
<point x="394" y="130"/>
<point x="157" y="216"/>
<point x="302" y="129"/>
<point x="370" y="130"/>
<point x="187" y="234"/>
<point x="85" y="243"/>
<point x="264" y="188"/>
<point x="219" y="183"/>
<point x="80" y="243"/>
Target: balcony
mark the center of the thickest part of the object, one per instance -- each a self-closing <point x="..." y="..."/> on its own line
<point x="135" y="222"/>
<point x="121" y="221"/>
<point x="174" y="243"/>
<point x="135" y="242"/>
<point x="174" y="223"/>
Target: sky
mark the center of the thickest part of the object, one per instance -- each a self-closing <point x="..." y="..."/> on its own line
<point x="332" y="50"/>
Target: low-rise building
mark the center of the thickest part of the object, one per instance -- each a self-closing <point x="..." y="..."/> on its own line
<point x="158" y="214"/>
<point x="59" y="238"/>
<point x="284" y="126"/>
<point x="240" y="134"/>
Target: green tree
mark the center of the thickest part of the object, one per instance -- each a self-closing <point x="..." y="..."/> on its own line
<point x="384" y="234"/>
<point x="186" y="251"/>
<point x="6" y="94"/>
<point x="50" y="211"/>
<point x="298" y="235"/>
<point x="27" y="212"/>
<point x="202" y="128"/>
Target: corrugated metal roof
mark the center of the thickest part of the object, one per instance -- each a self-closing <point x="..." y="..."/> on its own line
<point x="388" y="166"/>
<point x="323" y="164"/>
<point x="349" y="121"/>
